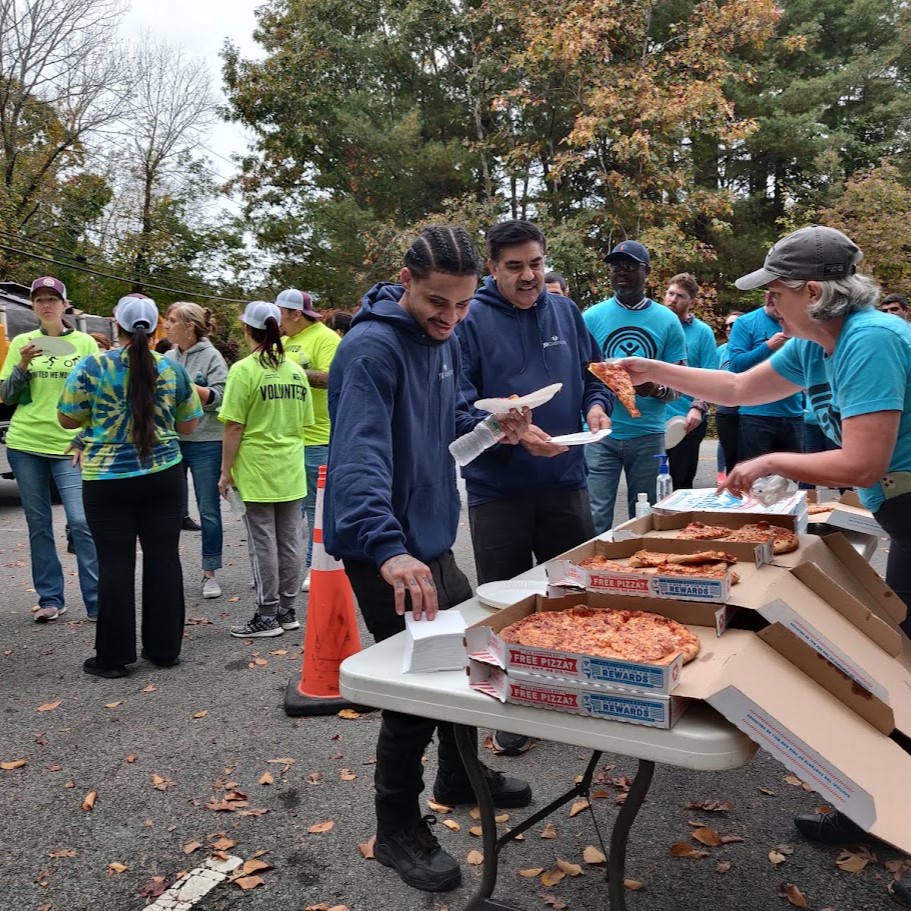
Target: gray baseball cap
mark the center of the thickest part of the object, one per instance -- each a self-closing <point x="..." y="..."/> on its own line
<point x="136" y="310"/>
<point x="815" y="253"/>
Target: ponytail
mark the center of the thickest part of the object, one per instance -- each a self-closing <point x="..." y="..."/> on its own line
<point x="141" y="391"/>
<point x="272" y="352"/>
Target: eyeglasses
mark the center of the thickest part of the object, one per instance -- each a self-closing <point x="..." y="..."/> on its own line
<point x="624" y="266"/>
<point x="728" y="327"/>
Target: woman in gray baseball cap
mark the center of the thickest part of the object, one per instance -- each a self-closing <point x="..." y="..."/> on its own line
<point x="854" y="363"/>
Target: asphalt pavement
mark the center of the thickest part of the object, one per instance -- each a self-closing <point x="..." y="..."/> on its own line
<point x="182" y="759"/>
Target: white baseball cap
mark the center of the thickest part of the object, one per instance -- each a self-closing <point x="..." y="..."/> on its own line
<point x="134" y="310"/>
<point x="257" y="312"/>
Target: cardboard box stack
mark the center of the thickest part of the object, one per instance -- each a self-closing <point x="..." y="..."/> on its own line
<point x="807" y="659"/>
<point x="706" y="500"/>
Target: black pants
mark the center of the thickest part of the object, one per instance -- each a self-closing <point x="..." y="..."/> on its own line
<point x="728" y="425"/>
<point x="508" y="536"/>
<point x="148" y="507"/>
<point x="683" y="459"/>
<point x="895" y="518"/>
<point x="399" y="773"/>
<point x="760" y="434"/>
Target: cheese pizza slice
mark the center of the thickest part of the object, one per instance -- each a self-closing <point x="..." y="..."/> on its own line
<point x="618" y="381"/>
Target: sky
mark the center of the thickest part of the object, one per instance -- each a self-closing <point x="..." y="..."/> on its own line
<point x="200" y="27"/>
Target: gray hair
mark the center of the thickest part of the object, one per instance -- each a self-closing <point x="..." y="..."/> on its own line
<point x="840" y="296"/>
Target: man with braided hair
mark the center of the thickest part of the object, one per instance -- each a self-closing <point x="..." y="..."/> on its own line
<point x="392" y="512"/>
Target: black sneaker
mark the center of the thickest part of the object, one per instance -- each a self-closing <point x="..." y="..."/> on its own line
<point x="258" y="628"/>
<point x="506" y="792"/>
<point x="416" y="855"/>
<point x="189" y="525"/>
<point x="511" y="744"/>
<point x="900" y="890"/>
<point x="288" y="620"/>
<point x="831" y="827"/>
<point x="91" y="666"/>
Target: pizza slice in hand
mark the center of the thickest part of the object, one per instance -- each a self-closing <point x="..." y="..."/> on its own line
<point x="618" y="381"/>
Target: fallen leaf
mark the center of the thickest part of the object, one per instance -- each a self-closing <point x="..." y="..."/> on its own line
<point x="283" y="760"/>
<point x="319" y="827"/>
<point x="593" y="855"/>
<point x="63" y="852"/>
<point x="634" y="885"/>
<point x="191" y="846"/>
<point x="776" y="857"/>
<point x="732" y="839"/>
<point x="682" y="849"/>
<point x="768" y="791"/>
<point x="451" y="824"/>
<point x="706" y="836"/>
<point x="568" y="868"/>
<point x="315" y="778"/>
<point x="501" y="818"/>
<point x="54" y="767"/>
<point x="248" y="882"/>
<point x="549" y="831"/>
<point x="793" y="895"/>
<point x="255" y="865"/>
<point x="89" y="800"/>
<point x="266" y="778"/>
<point x="578" y="806"/>
<point x="113" y="705"/>
<point x="475" y="858"/>
<point x="149" y="689"/>
<point x="279" y="651"/>
<point x="438" y="807"/>
<point x="161" y="782"/>
<point x="711" y="806"/>
<point x="132" y="758"/>
<point x="115" y="867"/>
<point x="349" y="714"/>
<point x="224" y="844"/>
<point x="723" y="866"/>
<point x="201" y="714"/>
<point x="366" y="847"/>
<point x="50" y="706"/>
<point x="552" y="877"/>
<point x="477" y="831"/>
<point x="156" y="886"/>
<point x="346" y="775"/>
<point x="552" y="901"/>
<point x="475" y="813"/>
<point x="785" y="849"/>
<point x="69" y="784"/>
<point x="797" y="782"/>
<point x="234" y="600"/>
<point x="851" y="862"/>
<point x="531" y="872"/>
<point x="13" y="764"/>
<point x="260" y="662"/>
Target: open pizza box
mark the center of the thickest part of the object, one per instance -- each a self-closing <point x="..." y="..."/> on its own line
<point x="848" y="513"/>
<point x="839" y="737"/>
<point x="668" y="527"/>
<point x="566" y="570"/>
<point x="706" y="500"/>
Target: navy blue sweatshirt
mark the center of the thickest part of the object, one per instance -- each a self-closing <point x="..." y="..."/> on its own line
<point x="507" y="351"/>
<point x="395" y="407"/>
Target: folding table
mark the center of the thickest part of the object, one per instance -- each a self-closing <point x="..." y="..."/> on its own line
<point x="700" y="740"/>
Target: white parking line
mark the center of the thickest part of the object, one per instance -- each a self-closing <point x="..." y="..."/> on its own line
<point x="192" y="886"/>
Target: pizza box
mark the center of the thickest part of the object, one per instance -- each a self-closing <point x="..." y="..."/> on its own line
<point x="649" y="709"/>
<point x="706" y="500"/>
<point x="848" y="513"/>
<point x="566" y="570"/>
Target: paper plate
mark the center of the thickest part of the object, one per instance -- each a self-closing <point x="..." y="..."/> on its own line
<point x="582" y="438"/>
<point x="53" y="344"/>
<point x="674" y="431"/>
<point x="504" y="594"/>
<point x="532" y="400"/>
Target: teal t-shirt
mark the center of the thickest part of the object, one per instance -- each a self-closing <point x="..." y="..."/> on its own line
<point x="869" y="371"/>
<point x="702" y="352"/>
<point x="95" y="395"/>
<point x="653" y="332"/>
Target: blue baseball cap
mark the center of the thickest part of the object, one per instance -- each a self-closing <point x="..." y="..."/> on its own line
<point x="629" y="249"/>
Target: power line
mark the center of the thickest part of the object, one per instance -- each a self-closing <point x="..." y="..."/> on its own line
<point x="127" y="281"/>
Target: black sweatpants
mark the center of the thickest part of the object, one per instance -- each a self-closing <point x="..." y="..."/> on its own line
<point x="727" y="423"/>
<point x="119" y="511"/>
<point x="683" y="459"/>
<point x="508" y="536"/>
<point x="399" y="773"/>
<point x="895" y="518"/>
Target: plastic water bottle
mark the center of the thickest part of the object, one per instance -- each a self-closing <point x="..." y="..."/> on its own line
<point x="642" y="505"/>
<point x="664" y="486"/>
<point x="238" y="507"/>
<point x="468" y="447"/>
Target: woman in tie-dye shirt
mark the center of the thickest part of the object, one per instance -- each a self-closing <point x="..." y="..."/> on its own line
<point x="131" y="405"/>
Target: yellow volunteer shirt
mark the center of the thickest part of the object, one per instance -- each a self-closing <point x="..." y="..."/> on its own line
<point x="314" y="349"/>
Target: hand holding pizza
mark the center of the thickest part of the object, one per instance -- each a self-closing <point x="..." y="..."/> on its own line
<point x="640" y="369"/>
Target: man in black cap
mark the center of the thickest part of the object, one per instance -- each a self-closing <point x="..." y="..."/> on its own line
<point x="626" y="325"/>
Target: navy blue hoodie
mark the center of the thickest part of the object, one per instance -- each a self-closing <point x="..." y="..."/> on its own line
<point x="508" y="351"/>
<point x="395" y="407"/>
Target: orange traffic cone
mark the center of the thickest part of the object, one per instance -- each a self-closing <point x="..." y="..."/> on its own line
<point x="331" y="634"/>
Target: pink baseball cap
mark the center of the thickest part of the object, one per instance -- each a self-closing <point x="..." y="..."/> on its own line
<point x="49" y="283"/>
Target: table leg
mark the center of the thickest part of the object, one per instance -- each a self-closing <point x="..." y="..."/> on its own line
<point x="616" y="864"/>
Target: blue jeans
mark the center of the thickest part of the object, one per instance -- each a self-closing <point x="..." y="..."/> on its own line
<point x="33" y="475"/>
<point x="204" y="462"/>
<point x="314" y="456"/>
<point x="606" y="460"/>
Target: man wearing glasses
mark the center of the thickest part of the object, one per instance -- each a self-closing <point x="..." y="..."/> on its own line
<point x="626" y="325"/>
<point x="727" y="418"/>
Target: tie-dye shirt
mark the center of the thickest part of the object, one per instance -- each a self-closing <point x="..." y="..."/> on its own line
<point x="95" y="395"/>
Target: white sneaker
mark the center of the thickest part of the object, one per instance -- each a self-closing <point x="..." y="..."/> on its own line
<point x="210" y="587"/>
<point x="305" y="585"/>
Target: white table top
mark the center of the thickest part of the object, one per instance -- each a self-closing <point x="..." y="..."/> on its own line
<point x="702" y="739"/>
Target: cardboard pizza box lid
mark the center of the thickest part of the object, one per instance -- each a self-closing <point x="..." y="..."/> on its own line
<point x="850" y="514"/>
<point x="667" y="526"/>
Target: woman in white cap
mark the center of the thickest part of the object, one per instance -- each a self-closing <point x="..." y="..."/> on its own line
<point x="188" y="327"/>
<point x="132" y="404"/>
<point x="36" y="367"/>
<point x="266" y="407"/>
